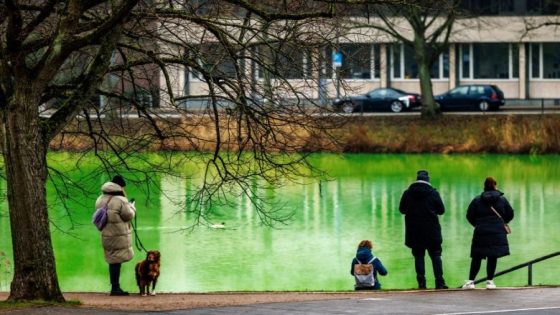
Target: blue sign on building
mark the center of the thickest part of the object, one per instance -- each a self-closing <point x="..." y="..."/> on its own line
<point x="337" y="59"/>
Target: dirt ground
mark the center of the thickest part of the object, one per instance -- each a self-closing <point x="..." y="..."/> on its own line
<point x="177" y="301"/>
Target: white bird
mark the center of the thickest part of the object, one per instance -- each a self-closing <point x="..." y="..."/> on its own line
<point x="218" y="225"/>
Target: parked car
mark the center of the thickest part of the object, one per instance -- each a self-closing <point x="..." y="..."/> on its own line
<point x="480" y="96"/>
<point x="379" y="99"/>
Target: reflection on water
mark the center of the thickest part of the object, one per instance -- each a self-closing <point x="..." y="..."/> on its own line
<point x="314" y="251"/>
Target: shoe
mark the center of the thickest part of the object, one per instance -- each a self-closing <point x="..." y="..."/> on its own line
<point x="442" y="287"/>
<point x="118" y="292"/>
<point x="421" y="282"/>
<point x="490" y="284"/>
<point x="469" y="284"/>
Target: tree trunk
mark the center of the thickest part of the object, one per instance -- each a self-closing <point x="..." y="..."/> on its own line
<point x="25" y="149"/>
<point x="429" y="109"/>
<point x="424" y="62"/>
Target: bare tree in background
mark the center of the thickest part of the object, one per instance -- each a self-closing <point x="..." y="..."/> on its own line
<point x="423" y="26"/>
<point x="60" y="55"/>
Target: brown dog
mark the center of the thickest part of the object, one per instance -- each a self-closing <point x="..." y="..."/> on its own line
<point x="147" y="272"/>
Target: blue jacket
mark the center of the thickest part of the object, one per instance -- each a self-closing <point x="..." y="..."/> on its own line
<point x="364" y="254"/>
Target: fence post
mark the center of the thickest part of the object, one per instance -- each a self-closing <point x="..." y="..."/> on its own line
<point x="542" y="105"/>
<point x="530" y="274"/>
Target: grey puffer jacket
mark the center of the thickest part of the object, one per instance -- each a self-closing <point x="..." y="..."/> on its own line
<point x="116" y="235"/>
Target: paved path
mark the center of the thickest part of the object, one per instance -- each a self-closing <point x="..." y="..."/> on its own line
<point x="451" y="302"/>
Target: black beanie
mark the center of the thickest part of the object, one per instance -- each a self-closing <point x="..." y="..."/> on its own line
<point x="119" y="180"/>
<point x="422" y="175"/>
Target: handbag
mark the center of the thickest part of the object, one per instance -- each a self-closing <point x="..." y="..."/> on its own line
<point x="99" y="218"/>
<point x="506" y="226"/>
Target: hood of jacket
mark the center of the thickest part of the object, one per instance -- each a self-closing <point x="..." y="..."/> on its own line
<point x="420" y="188"/>
<point x="364" y="255"/>
<point x="491" y="196"/>
<point x="110" y="187"/>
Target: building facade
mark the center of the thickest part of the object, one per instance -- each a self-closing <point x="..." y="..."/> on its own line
<point x="514" y="44"/>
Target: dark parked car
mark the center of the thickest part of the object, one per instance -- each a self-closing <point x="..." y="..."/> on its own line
<point x="378" y="99"/>
<point x="481" y="96"/>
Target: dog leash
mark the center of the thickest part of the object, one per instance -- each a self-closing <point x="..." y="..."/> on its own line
<point x="137" y="240"/>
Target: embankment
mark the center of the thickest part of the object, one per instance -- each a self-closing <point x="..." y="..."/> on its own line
<point x="522" y="134"/>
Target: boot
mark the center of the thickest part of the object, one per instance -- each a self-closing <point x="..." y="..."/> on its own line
<point x="114" y="275"/>
<point x="438" y="272"/>
<point x="420" y="271"/>
<point x="421" y="282"/>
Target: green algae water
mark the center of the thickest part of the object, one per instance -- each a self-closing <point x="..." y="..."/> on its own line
<point x="314" y="249"/>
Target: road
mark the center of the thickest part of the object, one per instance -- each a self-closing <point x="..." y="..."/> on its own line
<point x="518" y="301"/>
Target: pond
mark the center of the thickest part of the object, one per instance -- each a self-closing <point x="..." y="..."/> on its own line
<point x="314" y="250"/>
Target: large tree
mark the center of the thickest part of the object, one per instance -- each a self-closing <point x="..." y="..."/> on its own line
<point x="57" y="56"/>
<point x="423" y="26"/>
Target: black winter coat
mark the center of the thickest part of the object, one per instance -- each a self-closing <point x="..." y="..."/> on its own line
<point x="489" y="237"/>
<point x="421" y="204"/>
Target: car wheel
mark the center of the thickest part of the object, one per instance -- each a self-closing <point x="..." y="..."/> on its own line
<point x="348" y="107"/>
<point x="397" y="107"/>
<point x="483" y="106"/>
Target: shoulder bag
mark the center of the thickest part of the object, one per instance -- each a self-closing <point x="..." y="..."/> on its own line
<point x="506" y="226"/>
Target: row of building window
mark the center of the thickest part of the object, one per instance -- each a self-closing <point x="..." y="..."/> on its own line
<point x="362" y="62"/>
<point x="466" y="7"/>
<point x="511" y="7"/>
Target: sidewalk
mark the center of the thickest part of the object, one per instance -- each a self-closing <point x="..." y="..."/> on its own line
<point x="540" y="300"/>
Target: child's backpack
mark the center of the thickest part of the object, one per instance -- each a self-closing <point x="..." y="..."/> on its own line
<point x="363" y="273"/>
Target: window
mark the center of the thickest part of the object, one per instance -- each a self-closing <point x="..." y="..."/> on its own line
<point x="397" y="59"/>
<point x="476" y="90"/>
<point x="551" y="60"/>
<point x="459" y="92"/>
<point x="543" y="7"/>
<point x="514" y="60"/>
<point x="489" y="61"/>
<point x="215" y="60"/>
<point x="383" y="93"/>
<point x="359" y="61"/>
<point x="493" y="7"/>
<point x="465" y="52"/>
<point x="404" y="64"/>
<point x="356" y="61"/>
<point x="284" y="61"/>
<point x="545" y="60"/>
<point x="535" y="52"/>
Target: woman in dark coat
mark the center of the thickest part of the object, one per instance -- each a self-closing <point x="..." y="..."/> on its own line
<point x="490" y="236"/>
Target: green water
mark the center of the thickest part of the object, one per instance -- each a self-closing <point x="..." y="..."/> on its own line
<point x="313" y="251"/>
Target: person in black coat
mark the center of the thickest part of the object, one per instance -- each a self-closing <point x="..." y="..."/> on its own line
<point x="488" y="213"/>
<point x="421" y="204"/>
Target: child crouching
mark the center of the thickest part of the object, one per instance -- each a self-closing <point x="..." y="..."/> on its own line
<point x="365" y="268"/>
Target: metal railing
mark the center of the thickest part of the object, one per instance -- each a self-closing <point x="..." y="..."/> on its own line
<point x="529" y="266"/>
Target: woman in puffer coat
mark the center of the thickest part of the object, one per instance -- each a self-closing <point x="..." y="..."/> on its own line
<point x="490" y="237"/>
<point x="116" y="235"/>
